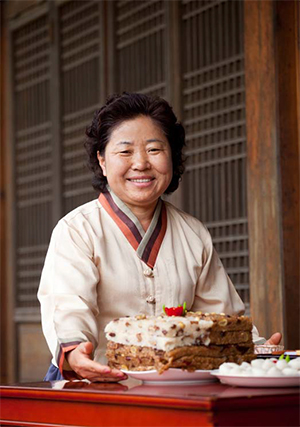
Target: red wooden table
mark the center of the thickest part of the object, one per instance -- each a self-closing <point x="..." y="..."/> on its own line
<point x="131" y="403"/>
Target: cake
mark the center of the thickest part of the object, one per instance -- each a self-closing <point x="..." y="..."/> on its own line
<point x="195" y="341"/>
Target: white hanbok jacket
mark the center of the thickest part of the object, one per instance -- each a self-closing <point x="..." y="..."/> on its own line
<point x="101" y="265"/>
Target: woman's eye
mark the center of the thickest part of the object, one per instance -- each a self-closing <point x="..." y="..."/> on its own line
<point x="153" y="150"/>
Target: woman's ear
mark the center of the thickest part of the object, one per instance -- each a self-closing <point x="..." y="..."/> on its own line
<point x="101" y="161"/>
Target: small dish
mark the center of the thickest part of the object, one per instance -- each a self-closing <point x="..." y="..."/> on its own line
<point x="268" y="349"/>
<point x="243" y="381"/>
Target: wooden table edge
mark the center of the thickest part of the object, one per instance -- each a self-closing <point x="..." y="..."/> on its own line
<point x="205" y="404"/>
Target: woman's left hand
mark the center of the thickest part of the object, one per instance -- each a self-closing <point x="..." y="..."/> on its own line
<point x="274" y="339"/>
<point x="81" y="362"/>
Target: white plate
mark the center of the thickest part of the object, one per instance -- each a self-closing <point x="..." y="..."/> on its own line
<point x="172" y="376"/>
<point x="258" y="381"/>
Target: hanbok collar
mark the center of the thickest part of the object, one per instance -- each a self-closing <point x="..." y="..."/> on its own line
<point x="146" y="244"/>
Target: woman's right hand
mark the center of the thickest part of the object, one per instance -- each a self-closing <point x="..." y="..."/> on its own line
<point x="80" y="360"/>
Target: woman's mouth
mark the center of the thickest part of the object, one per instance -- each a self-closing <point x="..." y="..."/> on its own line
<point x="144" y="182"/>
<point x="141" y="180"/>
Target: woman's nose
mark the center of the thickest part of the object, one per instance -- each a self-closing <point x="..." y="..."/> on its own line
<point x="140" y="161"/>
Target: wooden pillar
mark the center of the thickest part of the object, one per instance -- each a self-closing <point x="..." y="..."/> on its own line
<point x="8" y="225"/>
<point x="3" y="281"/>
<point x="273" y="166"/>
<point x="174" y="73"/>
<point x="288" y="47"/>
<point x="55" y="114"/>
<point x="112" y="67"/>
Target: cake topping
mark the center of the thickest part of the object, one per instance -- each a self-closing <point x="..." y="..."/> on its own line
<point x="180" y="310"/>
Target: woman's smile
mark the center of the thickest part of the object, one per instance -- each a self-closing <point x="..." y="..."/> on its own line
<point x="142" y="182"/>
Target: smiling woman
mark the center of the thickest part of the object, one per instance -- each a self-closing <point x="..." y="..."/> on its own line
<point x="127" y="252"/>
<point x="121" y="109"/>
<point x="138" y="165"/>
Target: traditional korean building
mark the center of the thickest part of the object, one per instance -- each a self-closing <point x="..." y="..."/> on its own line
<point x="231" y="70"/>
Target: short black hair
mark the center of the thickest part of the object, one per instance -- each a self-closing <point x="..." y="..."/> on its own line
<point x="119" y="108"/>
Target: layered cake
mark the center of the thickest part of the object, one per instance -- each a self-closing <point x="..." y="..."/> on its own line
<point x="195" y="341"/>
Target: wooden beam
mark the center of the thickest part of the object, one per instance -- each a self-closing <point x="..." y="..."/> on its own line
<point x="103" y="59"/>
<point x="55" y="114"/>
<point x="3" y="218"/>
<point x="174" y="73"/>
<point x="287" y="47"/>
<point x="264" y="217"/>
<point x="111" y="50"/>
<point x="272" y="111"/>
<point x="10" y="343"/>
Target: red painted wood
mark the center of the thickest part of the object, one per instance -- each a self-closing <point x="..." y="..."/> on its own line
<point x="86" y="414"/>
<point x="258" y="411"/>
<point x="119" y="405"/>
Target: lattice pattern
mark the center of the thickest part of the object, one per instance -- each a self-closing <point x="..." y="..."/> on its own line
<point x="80" y="79"/>
<point x="214" y="118"/>
<point x="32" y="155"/>
<point x="213" y="112"/>
<point x="141" y="46"/>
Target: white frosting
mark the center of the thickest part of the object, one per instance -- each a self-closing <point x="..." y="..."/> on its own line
<point x="160" y="332"/>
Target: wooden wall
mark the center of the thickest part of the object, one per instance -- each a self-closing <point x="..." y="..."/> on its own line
<point x="272" y="110"/>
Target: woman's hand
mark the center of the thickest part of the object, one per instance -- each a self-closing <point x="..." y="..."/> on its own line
<point x="274" y="339"/>
<point x="80" y="360"/>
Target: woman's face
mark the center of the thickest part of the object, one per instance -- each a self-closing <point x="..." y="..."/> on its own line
<point x="138" y="162"/>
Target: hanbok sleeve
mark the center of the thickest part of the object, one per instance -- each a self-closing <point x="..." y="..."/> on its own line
<point x="214" y="290"/>
<point x="68" y="293"/>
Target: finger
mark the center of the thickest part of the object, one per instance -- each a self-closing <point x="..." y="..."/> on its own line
<point x="91" y="369"/>
<point x="118" y="373"/>
<point x="94" y="376"/>
<point x="107" y="378"/>
<point x="274" y="339"/>
<point x="114" y="372"/>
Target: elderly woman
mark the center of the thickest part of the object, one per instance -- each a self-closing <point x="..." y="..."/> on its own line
<point x="129" y="251"/>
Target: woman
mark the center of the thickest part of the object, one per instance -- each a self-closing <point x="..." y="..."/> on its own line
<point x="127" y="252"/>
